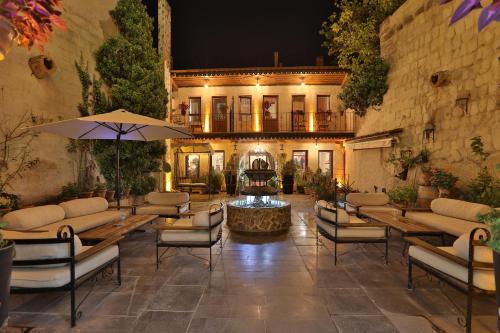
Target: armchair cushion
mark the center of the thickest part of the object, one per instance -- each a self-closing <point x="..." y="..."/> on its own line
<point x="368" y="199"/>
<point x="188" y="236"/>
<point x="86" y="222"/>
<point x="202" y="219"/>
<point x="160" y="210"/>
<point x="458" y="209"/>
<point x="343" y="216"/>
<point x="481" y="253"/>
<point x="343" y="232"/>
<point x="40" y="251"/>
<point x="167" y="198"/>
<point x="30" y="218"/>
<point x="53" y="277"/>
<point x="483" y="278"/>
<point x="80" y="207"/>
<point x="450" y="225"/>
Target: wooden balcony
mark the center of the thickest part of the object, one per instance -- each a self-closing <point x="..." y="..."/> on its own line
<point x="281" y="125"/>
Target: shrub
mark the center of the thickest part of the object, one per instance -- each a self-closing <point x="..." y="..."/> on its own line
<point x="443" y="179"/>
<point x="405" y="195"/>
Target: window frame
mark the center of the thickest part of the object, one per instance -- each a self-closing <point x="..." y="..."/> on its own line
<point x="332" y="154"/>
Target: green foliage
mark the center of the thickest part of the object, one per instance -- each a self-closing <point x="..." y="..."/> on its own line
<point x="485" y="188"/>
<point x="289" y="168"/>
<point x="323" y="185"/>
<point x="69" y="191"/>
<point x="352" y="36"/>
<point x="129" y="65"/>
<point x="143" y="185"/>
<point x="9" y="200"/>
<point x="405" y="195"/>
<point x="493" y="220"/>
<point x="443" y="179"/>
<point x="273" y="182"/>
<point x="100" y="186"/>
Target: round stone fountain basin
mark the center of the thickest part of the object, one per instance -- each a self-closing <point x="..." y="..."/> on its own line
<point x="272" y="216"/>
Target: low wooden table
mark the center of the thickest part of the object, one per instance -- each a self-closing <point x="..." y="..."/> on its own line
<point x="406" y="226"/>
<point x="121" y="228"/>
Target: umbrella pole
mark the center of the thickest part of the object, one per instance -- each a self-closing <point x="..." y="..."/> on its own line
<point x="118" y="189"/>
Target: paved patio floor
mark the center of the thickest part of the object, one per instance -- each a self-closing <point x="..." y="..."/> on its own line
<point x="259" y="284"/>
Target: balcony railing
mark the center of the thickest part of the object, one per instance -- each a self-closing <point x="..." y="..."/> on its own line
<point x="291" y="122"/>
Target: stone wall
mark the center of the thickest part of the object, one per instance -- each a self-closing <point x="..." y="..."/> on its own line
<point x="417" y="42"/>
<point x="55" y="97"/>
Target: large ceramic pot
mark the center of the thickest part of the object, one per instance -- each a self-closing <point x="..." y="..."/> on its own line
<point x="6" y="255"/>
<point x="496" y="261"/>
<point x="7" y="36"/>
<point x="231" y="179"/>
<point x="110" y="195"/>
<point x="288" y="184"/>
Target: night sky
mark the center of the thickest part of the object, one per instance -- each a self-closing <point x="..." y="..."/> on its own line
<point x="223" y="33"/>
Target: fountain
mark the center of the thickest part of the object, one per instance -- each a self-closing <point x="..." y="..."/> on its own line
<point x="259" y="211"/>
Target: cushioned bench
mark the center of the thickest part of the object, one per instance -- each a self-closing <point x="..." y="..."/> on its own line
<point x="165" y="204"/>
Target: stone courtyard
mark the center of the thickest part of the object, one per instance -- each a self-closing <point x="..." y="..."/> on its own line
<point x="259" y="284"/>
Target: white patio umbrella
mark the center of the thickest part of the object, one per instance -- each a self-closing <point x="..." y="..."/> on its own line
<point x="118" y="125"/>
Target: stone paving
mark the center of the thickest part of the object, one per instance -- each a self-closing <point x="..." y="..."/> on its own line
<point x="259" y="284"/>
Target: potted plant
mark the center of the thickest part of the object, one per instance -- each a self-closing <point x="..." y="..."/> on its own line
<point x="6" y="254"/>
<point x="140" y="187"/>
<point x="100" y="190"/>
<point x="405" y="162"/>
<point x="299" y="180"/>
<point x="87" y="191"/>
<point x="231" y="174"/>
<point x="69" y="192"/>
<point x="110" y="191"/>
<point x="288" y="173"/>
<point x="444" y="181"/>
<point x="404" y="195"/>
<point x="8" y="202"/>
<point x="28" y="23"/>
<point x="344" y="187"/>
<point x="323" y="186"/>
<point x="216" y="179"/>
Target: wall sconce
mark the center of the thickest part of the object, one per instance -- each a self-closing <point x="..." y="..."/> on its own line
<point x="428" y="133"/>
<point x="281" y="147"/>
<point x="235" y="146"/>
<point x="462" y="102"/>
<point x="257" y="84"/>
<point x="206" y="83"/>
<point x="302" y="83"/>
<point x="316" y="142"/>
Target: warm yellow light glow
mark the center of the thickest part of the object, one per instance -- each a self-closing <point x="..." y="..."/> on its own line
<point x="257" y="122"/>
<point x="168" y="182"/>
<point x="311" y="121"/>
<point x="206" y="85"/>
<point x="303" y="84"/>
<point x="206" y="128"/>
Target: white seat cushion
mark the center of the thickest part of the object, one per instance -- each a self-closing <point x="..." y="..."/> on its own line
<point x="34" y="217"/>
<point x="483" y="279"/>
<point x="40" y="251"/>
<point x="459" y="209"/>
<point x="86" y="222"/>
<point x="343" y="216"/>
<point x="167" y="198"/>
<point x="160" y="210"/>
<point x="368" y="232"/>
<point x="52" y="277"/>
<point x="80" y="207"/>
<point x="188" y="236"/>
<point x="379" y="209"/>
<point x="450" y="225"/>
<point x="367" y="199"/>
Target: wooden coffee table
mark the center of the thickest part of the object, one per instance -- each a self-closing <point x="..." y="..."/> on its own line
<point x="406" y="226"/>
<point x="121" y="228"/>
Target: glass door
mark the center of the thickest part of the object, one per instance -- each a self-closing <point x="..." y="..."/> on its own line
<point x="219" y="114"/>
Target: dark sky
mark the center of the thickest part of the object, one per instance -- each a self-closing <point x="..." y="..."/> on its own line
<point x="223" y="33"/>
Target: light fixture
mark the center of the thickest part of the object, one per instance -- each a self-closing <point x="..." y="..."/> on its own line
<point x="316" y="142"/>
<point x="206" y="83"/>
<point x="257" y="84"/>
<point x="302" y="83"/>
<point x="235" y="146"/>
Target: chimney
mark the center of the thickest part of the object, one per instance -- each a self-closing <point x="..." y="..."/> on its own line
<point x="320" y="61"/>
<point x="276" y="58"/>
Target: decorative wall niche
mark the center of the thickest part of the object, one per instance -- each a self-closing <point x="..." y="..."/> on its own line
<point x="42" y="66"/>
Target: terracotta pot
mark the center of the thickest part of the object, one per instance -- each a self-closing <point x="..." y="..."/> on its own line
<point x="88" y="194"/>
<point x="100" y="193"/>
<point x="444" y="193"/>
<point x="110" y="195"/>
<point x="6" y="254"/>
<point x="7" y="36"/>
<point x="425" y="196"/>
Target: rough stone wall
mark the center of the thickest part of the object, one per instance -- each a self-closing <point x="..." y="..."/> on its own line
<point x="417" y="42"/>
<point x="165" y="32"/>
<point x="56" y="97"/>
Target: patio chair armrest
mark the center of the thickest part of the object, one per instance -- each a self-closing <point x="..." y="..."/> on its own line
<point x="429" y="247"/>
<point x="160" y="227"/>
<point x="362" y="225"/>
<point x="97" y="248"/>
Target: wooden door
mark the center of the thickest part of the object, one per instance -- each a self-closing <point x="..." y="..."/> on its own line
<point x="270" y="114"/>
<point x="219" y="114"/>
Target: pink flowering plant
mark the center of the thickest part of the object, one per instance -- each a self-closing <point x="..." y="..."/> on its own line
<point x="488" y="14"/>
<point x="33" y="20"/>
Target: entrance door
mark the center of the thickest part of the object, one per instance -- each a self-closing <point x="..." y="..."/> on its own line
<point x="219" y="114"/>
<point x="270" y="114"/>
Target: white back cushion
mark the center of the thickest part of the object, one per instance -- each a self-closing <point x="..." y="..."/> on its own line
<point x="34" y="217"/>
<point x="367" y="199"/>
<point x="202" y="219"/>
<point x="167" y="198"/>
<point x="41" y="251"/>
<point x="80" y="207"/>
<point x="481" y="253"/>
<point x="343" y="216"/>
<point x="458" y="209"/>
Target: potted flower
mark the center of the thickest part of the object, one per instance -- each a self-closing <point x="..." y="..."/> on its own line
<point x="404" y="195"/>
<point x="28" y="23"/>
<point x="6" y="254"/>
<point x="288" y="173"/>
<point x="8" y="202"/>
<point x="110" y="192"/>
<point x="70" y="191"/>
<point x="231" y="174"/>
<point x="100" y="190"/>
<point x="444" y="181"/>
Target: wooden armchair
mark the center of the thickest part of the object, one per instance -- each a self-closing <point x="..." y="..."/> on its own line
<point x="338" y="226"/>
<point x="466" y="266"/>
<point x="193" y="230"/>
<point x="45" y="262"/>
